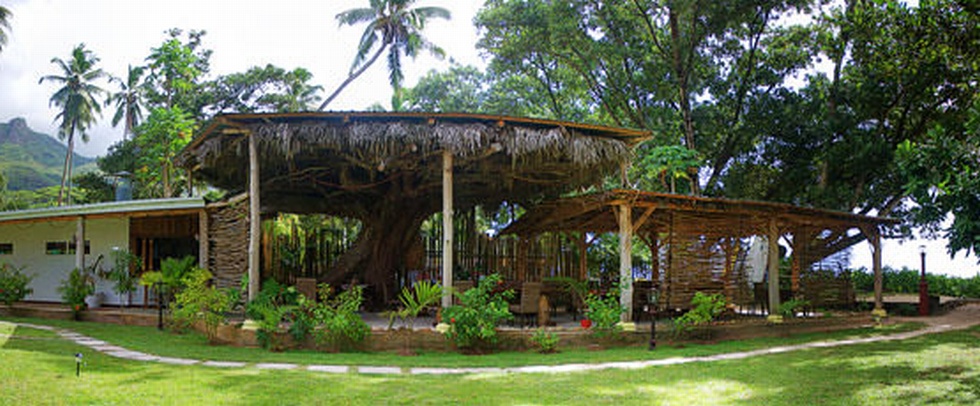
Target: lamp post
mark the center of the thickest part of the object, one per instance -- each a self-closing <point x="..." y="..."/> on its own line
<point x="923" y="285"/>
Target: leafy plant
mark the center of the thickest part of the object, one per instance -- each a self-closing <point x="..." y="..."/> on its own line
<point x="198" y="301"/>
<point x="122" y="273"/>
<point x="79" y="285"/>
<point x="790" y="307"/>
<point x="605" y="313"/>
<point x="274" y="305"/>
<point x="473" y="323"/>
<point x="423" y="294"/>
<point x="341" y="327"/>
<point x="171" y="275"/>
<point x="546" y="342"/>
<point x="13" y="284"/>
<point x="706" y="308"/>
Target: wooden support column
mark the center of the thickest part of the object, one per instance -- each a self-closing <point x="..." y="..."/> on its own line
<point x="447" y="228"/>
<point x="799" y="241"/>
<point x="583" y="259"/>
<point x="875" y="238"/>
<point x="773" y="267"/>
<point x="625" y="218"/>
<point x="80" y="243"/>
<point x="203" y="240"/>
<point x="254" y="218"/>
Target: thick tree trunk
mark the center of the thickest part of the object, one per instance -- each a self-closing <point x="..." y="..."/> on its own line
<point x="385" y="239"/>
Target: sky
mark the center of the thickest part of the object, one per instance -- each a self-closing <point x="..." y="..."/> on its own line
<point x="246" y="33"/>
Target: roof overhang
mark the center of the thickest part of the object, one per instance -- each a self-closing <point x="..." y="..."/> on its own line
<point x="131" y="208"/>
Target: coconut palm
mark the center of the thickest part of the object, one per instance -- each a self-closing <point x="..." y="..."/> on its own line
<point x="128" y="100"/>
<point x="393" y="26"/>
<point x="4" y="24"/>
<point x="77" y="99"/>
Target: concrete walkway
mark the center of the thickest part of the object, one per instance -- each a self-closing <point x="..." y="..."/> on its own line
<point x="963" y="317"/>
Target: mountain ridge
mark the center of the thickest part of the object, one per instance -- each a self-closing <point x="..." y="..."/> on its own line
<point x="31" y="160"/>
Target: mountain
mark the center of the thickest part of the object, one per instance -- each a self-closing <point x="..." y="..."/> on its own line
<point x="32" y="160"/>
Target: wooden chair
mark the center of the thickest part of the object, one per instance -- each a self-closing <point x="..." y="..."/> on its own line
<point x="528" y="307"/>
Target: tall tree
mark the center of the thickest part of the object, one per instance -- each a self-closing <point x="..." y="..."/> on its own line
<point x="4" y="25"/>
<point x="176" y="68"/>
<point x="393" y="26"/>
<point x="160" y="138"/>
<point x="78" y="100"/>
<point x="267" y="89"/>
<point x="128" y="100"/>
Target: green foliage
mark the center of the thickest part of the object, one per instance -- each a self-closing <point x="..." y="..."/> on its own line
<point x="264" y="89"/>
<point x="473" y="323"/>
<point x="422" y="295"/>
<point x="79" y="285"/>
<point x="605" y="312"/>
<point x="171" y="274"/>
<point x="706" y="308"/>
<point x="125" y="267"/>
<point x="340" y="326"/>
<point x="13" y="284"/>
<point x="660" y="167"/>
<point x="160" y="138"/>
<point x="546" y="342"/>
<point x="274" y="305"/>
<point x="790" y="308"/>
<point x="906" y="280"/>
<point x="198" y="301"/>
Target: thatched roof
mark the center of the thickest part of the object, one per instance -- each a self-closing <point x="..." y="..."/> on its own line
<point x="331" y="162"/>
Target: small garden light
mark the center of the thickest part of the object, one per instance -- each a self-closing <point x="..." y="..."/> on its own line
<point x="78" y="364"/>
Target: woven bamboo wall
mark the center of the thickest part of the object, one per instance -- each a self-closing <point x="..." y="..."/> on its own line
<point x="228" y="239"/>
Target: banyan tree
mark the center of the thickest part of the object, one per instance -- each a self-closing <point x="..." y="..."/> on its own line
<point x="392" y="171"/>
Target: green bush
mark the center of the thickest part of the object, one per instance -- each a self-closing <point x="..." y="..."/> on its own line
<point x="274" y="304"/>
<point x="605" y="312"/>
<point x="705" y="309"/>
<point x="198" y="301"/>
<point x="790" y="307"/>
<point x="13" y="284"/>
<point x="423" y="294"/>
<point x="473" y="323"/>
<point x="339" y="326"/>
<point x="79" y="285"/>
<point x="546" y="342"/>
<point x="121" y="275"/>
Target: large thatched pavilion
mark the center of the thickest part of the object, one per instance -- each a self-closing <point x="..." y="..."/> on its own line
<point x="392" y="171"/>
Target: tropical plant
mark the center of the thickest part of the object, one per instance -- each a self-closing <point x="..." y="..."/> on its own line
<point x="79" y="285"/>
<point x="175" y="69"/>
<point x="791" y="307"/>
<point x="393" y="26"/>
<point x="4" y="25"/>
<point x="78" y="101"/>
<point x="201" y="302"/>
<point x="128" y="100"/>
<point x="546" y="342"/>
<point x="170" y="277"/>
<point x="125" y="267"/>
<point x="705" y="309"/>
<point x="340" y="327"/>
<point x="415" y="299"/>
<point x="274" y="304"/>
<point x="13" y="284"/>
<point x="160" y="138"/>
<point x="473" y="323"/>
<point x="605" y="312"/>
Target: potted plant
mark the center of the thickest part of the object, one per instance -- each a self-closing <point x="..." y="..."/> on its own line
<point x="125" y="267"/>
<point x="79" y="285"/>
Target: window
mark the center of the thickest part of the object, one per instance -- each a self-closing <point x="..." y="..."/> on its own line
<point x="64" y="247"/>
<point x="6" y="248"/>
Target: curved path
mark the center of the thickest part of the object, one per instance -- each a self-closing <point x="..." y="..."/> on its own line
<point x="959" y="318"/>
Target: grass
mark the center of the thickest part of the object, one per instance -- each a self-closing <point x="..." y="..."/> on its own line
<point x="194" y="346"/>
<point x="937" y="368"/>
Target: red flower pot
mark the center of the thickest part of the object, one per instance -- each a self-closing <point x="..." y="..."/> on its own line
<point x="586" y="323"/>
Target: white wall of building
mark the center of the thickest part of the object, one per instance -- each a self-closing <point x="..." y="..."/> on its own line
<point x="29" y="246"/>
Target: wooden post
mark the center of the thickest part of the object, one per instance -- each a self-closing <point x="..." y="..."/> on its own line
<point x="583" y="259"/>
<point x="254" y="220"/>
<point x="203" y="239"/>
<point x="80" y="243"/>
<point x="447" y="228"/>
<point x="624" y="218"/>
<point x="875" y="238"/>
<point x="800" y="239"/>
<point x="773" y="268"/>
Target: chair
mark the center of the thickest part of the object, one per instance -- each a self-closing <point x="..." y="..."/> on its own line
<point x="528" y="305"/>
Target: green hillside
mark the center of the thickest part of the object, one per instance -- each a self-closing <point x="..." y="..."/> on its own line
<point x="31" y="160"/>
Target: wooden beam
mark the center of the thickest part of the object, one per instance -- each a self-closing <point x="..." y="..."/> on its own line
<point x="447" y="227"/>
<point x="643" y="218"/>
<point x="254" y="218"/>
<point x="80" y="242"/>
<point x="773" y="267"/>
<point x="624" y="218"/>
<point x="203" y="240"/>
<point x="873" y="234"/>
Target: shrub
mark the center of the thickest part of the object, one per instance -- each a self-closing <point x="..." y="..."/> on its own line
<point x="423" y="294"/>
<point x="79" y="285"/>
<point x="200" y="302"/>
<point x="546" y="342"/>
<point x="473" y="323"/>
<point x="790" y="307"/>
<point x="13" y="284"/>
<point x="605" y="313"/>
<point x="340" y="326"/>
<point x="274" y="304"/>
<point x="706" y="308"/>
<point x="122" y="275"/>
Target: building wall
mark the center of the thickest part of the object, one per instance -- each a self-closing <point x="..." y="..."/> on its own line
<point x="29" y="251"/>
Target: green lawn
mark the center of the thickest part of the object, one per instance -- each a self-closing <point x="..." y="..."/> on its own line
<point x="152" y="341"/>
<point x="38" y="368"/>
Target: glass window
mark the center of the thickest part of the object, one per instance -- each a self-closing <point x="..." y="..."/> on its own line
<point x="56" y="248"/>
<point x="6" y="248"/>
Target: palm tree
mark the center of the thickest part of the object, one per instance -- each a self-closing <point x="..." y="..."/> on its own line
<point x="392" y="26"/>
<point x="77" y="100"/>
<point x="4" y="23"/>
<point x="128" y="100"/>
